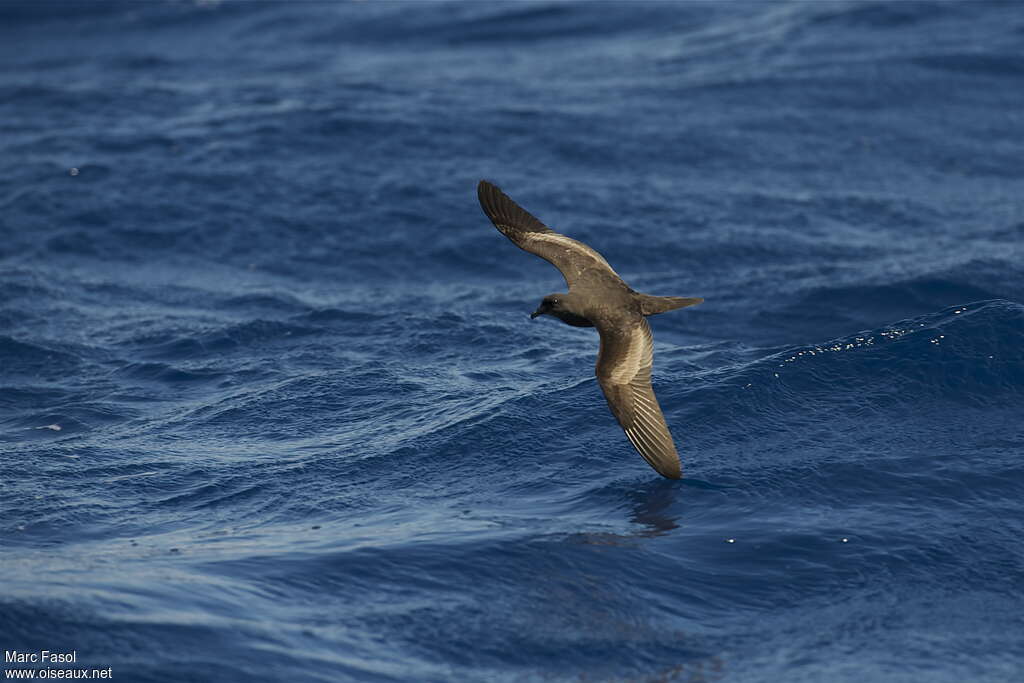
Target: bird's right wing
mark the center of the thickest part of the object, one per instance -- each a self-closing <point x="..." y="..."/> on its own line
<point x="575" y="260"/>
<point x="624" y="373"/>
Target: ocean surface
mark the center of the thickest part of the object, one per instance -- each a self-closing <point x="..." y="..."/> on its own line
<point x="272" y="408"/>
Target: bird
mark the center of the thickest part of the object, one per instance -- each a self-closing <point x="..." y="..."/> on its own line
<point x="598" y="297"/>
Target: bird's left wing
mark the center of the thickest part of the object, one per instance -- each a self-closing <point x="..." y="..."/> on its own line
<point x="624" y="373"/>
<point x="574" y="259"/>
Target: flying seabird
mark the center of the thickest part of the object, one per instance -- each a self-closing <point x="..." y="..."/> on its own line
<point x="599" y="298"/>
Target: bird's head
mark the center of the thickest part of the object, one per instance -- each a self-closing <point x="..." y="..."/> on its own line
<point x="552" y="304"/>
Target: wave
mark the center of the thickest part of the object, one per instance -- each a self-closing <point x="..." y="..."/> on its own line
<point x="907" y="376"/>
<point x="878" y="15"/>
<point x="35" y="358"/>
<point x="37" y="11"/>
<point x="970" y="351"/>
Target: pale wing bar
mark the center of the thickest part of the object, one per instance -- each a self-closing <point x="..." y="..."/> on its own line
<point x="624" y="373"/>
<point x="571" y="257"/>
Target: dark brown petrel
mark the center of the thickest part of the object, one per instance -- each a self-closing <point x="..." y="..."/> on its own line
<point x="599" y="298"/>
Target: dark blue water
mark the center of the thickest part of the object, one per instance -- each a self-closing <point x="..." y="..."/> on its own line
<point x="271" y="407"/>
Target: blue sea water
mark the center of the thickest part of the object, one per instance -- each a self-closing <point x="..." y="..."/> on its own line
<point x="271" y="407"/>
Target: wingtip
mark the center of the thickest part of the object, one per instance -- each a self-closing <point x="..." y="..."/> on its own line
<point x="505" y="213"/>
<point x="675" y="474"/>
<point x="486" y="186"/>
<point x="488" y="194"/>
<point x="670" y="468"/>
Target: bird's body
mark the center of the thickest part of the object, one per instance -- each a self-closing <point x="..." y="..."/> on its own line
<point x="598" y="297"/>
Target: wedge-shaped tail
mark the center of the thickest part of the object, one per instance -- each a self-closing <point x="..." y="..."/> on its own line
<point x="652" y="305"/>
